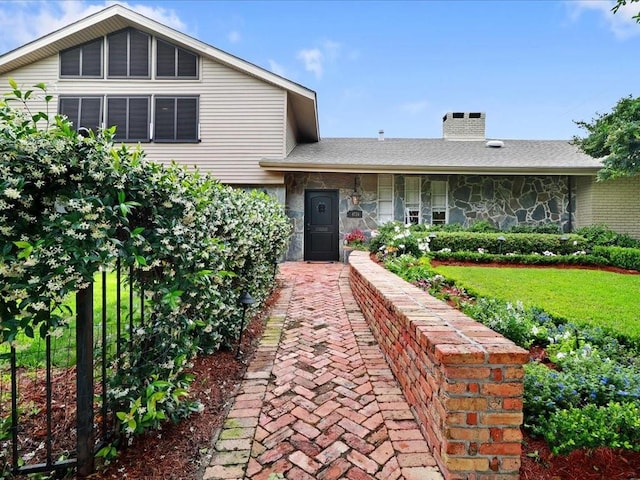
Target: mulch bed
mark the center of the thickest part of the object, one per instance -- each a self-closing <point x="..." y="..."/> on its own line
<point x="178" y="451"/>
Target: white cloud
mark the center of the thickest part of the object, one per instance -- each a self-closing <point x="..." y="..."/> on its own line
<point x="621" y="23"/>
<point x="312" y="60"/>
<point x="414" y="107"/>
<point x="23" y="22"/>
<point x="277" y="68"/>
<point x="234" y="36"/>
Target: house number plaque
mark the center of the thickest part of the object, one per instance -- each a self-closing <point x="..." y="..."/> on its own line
<point x="354" y="214"/>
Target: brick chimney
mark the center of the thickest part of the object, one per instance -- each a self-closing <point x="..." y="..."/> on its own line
<point x="463" y="126"/>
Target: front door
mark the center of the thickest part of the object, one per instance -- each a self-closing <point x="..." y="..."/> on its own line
<point x="321" y="225"/>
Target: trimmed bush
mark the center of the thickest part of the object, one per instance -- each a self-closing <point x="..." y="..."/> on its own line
<point x="621" y="257"/>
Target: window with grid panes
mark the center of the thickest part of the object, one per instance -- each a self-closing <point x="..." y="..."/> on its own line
<point x="175" y="62"/>
<point x="176" y="119"/>
<point x="130" y="115"/>
<point x="128" y="54"/>
<point x="412" y="199"/>
<point x="83" y="112"/>
<point x="82" y="61"/>
<point x="438" y="202"/>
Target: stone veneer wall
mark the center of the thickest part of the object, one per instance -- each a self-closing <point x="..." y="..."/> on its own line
<point x="510" y="200"/>
<point x="502" y="200"/>
<point x="463" y="381"/>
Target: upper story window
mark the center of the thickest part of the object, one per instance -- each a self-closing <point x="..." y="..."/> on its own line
<point x="82" y="61"/>
<point x="175" y="62"/>
<point x="130" y="115"/>
<point x="128" y="54"/>
<point x="83" y="112"/>
<point x="176" y="119"/>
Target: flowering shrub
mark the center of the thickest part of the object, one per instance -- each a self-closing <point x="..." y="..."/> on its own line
<point x="355" y="238"/>
<point x="70" y="205"/>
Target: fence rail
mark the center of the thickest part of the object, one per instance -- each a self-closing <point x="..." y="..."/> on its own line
<point x="57" y="414"/>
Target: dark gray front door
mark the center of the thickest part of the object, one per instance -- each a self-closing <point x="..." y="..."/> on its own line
<point x="321" y="225"/>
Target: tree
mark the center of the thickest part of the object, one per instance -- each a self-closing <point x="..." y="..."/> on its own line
<point x="621" y="3"/>
<point x="615" y="138"/>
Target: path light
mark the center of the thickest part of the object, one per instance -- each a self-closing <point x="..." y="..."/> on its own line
<point x="245" y="300"/>
<point x="501" y="239"/>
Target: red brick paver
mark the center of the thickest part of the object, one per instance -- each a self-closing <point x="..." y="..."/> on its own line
<point x="318" y="400"/>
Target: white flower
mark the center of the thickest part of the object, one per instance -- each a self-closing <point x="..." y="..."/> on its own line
<point x="12" y="193"/>
<point x="481" y="250"/>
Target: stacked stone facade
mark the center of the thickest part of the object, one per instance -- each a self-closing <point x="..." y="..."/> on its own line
<point x="504" y="201"/>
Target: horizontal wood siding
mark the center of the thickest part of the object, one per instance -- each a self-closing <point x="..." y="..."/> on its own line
<point x="45" y="71"/>
<point x="242" y="119"/>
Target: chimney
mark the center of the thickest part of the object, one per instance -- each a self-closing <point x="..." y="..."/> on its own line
<point x="463" y="126"/>
<point x="381" y="135"/>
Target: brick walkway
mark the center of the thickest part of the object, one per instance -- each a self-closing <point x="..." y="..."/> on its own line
<point x="318" y="401"/>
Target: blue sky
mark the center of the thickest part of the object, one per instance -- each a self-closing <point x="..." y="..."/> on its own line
<point x="533" y="66"/>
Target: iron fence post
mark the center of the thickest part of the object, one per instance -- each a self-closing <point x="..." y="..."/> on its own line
<point x="84" y="372"/>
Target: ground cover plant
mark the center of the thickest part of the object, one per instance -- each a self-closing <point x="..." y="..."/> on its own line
<point x="71" y="204"/>
<point x="583" y="389"/>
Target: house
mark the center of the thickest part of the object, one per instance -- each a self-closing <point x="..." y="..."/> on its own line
<point x="187" y="101"/>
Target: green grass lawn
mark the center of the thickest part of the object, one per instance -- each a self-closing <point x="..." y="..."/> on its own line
<point x="594" y="297"/>
<point x="31" y="352"/>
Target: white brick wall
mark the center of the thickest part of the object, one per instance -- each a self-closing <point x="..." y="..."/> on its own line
<point x="463" y="126"/>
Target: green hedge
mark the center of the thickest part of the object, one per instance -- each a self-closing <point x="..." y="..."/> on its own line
<point x="518" y="243"/>
<point x="622" y="257"/>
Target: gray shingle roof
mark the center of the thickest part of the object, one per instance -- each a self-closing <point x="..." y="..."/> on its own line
<point x="400" y="155"/>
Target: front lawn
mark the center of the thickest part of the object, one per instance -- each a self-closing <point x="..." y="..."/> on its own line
<point x="594" y="297"/>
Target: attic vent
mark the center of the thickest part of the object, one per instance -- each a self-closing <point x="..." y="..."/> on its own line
<point x="495" y="144"/>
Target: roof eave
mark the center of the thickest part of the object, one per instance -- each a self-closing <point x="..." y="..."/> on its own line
<point x="274" y="165"/>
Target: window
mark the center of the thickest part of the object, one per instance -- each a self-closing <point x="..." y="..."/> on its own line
<point x="82" y="111"/>
<point x="131" y="117"/>
<point x="128" y="54"/>
<point x="82" y="61"/>
<point x="176" y="119"/>
<point x="412" y="197"/>
<point x="385" y="198"/>
<point x="438" y="202"/>
<point x="174" y="62"/>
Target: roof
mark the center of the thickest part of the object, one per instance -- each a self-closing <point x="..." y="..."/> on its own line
<point x="117" y="17"/>
<point x="424" y="156"/>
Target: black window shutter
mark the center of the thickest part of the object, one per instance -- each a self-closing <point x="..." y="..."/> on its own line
<point x="139" y="119"/>
<point x="166" y="63"/>
<point x="187" y="119"/>
<point x="187" y="64"/>
<point x="71" y="108"/>
<point x="92" y="59"/>
<point x="139" y="54"/>
<point x="70" y="62"/>
<point x="165" y="119"/>
<point x="117" y="115"/>
<point x="118" y="54"/>
<point x="90" y="113"/>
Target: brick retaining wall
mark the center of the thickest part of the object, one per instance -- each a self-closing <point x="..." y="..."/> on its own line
<point x="463" y="381"/>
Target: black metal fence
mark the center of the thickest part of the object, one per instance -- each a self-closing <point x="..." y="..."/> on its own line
<point x="53" y="391"/>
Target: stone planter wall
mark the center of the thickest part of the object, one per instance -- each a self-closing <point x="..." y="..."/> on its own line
<point x="463" y="381"/>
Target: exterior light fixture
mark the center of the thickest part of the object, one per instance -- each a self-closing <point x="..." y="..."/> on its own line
<point x="501" y="239"/>
<point x="355" y="196"/>
<point x="245" y="300"/>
